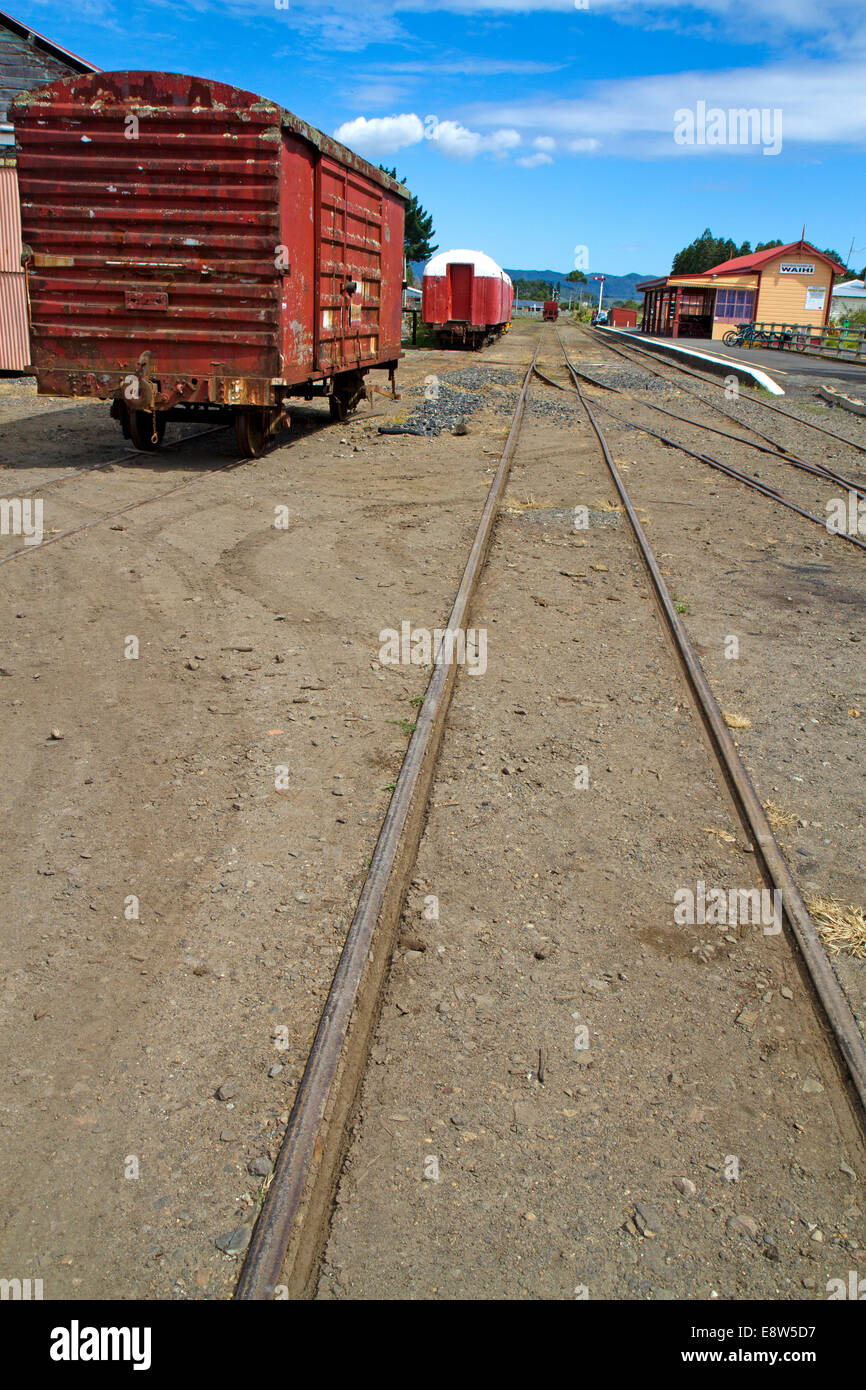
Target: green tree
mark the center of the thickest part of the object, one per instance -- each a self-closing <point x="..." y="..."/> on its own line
<point x="834" y="255"/>
<point x="576" y="277"/>
<point x="533" y="289"/>
<point x="418" y="227"/>
<point x="706" y="251"/>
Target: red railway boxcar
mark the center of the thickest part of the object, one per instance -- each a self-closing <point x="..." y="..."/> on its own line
<point x="623" y="318"/>
<point x="550" y="310"/>
<point x="194" y="251"/>
<point x="466" y="298"/>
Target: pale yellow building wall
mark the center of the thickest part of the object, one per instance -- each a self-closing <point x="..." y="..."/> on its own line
<point x="782" y="298"/>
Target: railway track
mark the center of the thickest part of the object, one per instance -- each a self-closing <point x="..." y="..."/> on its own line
<point x="682" y="370"/>
<point x="285" y="1251"/>
<point x="131" y="456"/>
<point x="772" y="493"/>
<point x="769" y="446"/>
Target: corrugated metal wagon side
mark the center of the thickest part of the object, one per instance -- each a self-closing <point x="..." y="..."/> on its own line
<point x="195" y="251"/>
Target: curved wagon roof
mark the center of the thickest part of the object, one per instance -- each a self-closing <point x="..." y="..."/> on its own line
<point x="482" y="263"/>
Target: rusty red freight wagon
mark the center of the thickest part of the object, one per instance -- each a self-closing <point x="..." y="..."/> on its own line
<point x="466" y="298"/>
<point x="194" y="251"/>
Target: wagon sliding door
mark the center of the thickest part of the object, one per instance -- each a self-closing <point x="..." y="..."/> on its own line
<point x="349" y="278"/>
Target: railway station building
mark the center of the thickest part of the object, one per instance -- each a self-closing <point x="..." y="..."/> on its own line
<point x="784" y="284"/>
<point x="27" y="60"/>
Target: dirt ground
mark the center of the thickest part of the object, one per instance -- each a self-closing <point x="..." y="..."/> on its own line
<point x="232" y="778"/>
<point x="258" y="651"/>
<point x="697" y="1144"/>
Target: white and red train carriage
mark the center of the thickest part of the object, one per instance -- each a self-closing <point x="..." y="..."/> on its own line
<point x="466" y="298"/>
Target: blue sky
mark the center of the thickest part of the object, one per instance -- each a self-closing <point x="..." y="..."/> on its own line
<point x="530" y="128"/>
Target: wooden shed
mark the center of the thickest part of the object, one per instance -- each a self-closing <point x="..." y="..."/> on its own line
<point x="27" y="60"/>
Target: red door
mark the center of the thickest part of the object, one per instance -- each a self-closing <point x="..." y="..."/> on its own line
<point x="460" y="277"/>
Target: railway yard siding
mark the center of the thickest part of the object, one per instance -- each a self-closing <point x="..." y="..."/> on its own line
<point x="571" y="1092"/>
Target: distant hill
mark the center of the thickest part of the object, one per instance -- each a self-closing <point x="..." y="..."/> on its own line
<point x="615" y="286"/>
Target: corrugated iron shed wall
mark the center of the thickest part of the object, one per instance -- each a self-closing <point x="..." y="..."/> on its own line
<point x="14" y="344"/>
<point x="10" y="218"/>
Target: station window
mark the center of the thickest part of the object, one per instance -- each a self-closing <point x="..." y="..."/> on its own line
<point x="738" y="305"/>
<point x="694" y="303"/>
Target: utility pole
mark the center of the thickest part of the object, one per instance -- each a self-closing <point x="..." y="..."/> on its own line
<point x="601" y="278"/>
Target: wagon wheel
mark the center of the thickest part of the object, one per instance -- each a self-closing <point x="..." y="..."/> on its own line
<point x="251" y="431"/>
<point x="348" y="391"/>
<point x="338" y="402"/>
<point x="142" y="427"/>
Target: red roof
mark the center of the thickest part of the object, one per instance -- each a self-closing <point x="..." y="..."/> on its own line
<point x="741" y="265"/>
<point x="746" y="265"/>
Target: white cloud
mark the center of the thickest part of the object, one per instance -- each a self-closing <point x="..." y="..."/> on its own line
<point x="544" y="142"/>
<point x="377" y="92"/>
<point x="836" y="21"/>
<point x="457" y="142"/>
<point x="531" y="161"/>
<point x="821" y="103"/>
<point x="380" y="134"/>
<point x="501" y="141"/>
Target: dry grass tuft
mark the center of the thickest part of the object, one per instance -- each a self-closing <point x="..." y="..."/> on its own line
<point x="779" y="818"/>
<point x="721" y="834"/>
<point x="736" y="721"/>
<point x="842" y="926"/>
<point x="516" y="506"/>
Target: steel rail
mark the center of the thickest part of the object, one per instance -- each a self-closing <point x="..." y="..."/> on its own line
<point x="754" y="400"/>
<point x="292" y="1224"/>
<point x="708" y="459"/>
<point x="735" y="473"/>
<point x="679" y="385"/>
<point x="773" y="450"/>
<point x="834" y="1003"/>
<point x="121" y="458"/>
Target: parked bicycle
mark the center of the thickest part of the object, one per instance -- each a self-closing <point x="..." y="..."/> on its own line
<point x="745" y="335"/>
<point x="753" y="336"/>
